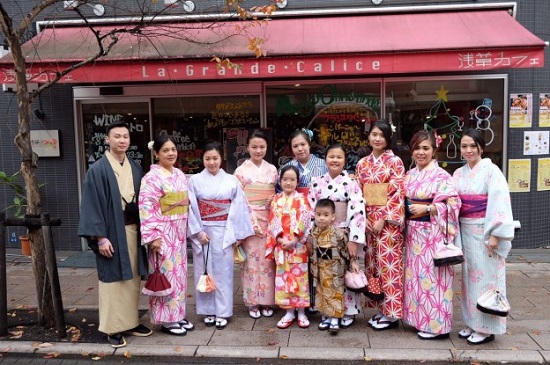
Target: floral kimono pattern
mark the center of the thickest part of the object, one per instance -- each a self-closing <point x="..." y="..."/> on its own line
<point x="258" y="272"/>
<point x="290" y="216"/>
<point x="429" y="289"/>
<point x="480" y="271"/>
<point x="384" y="251"/>
<point x="171" y="229"/>
<point x="345" y="191"/>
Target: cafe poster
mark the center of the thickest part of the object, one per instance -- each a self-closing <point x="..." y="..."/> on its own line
<point x="535" y="143"/>
<point x="543" y="177"/>
<point x="519" y="175"/>
<point x="521" y="110"/>
<point x="544" y="110"/>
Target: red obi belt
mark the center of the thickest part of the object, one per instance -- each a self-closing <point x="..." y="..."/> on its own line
<point x="214" y="210"/>
<point x="473" y="205"/>
<point x="304" y="191"/>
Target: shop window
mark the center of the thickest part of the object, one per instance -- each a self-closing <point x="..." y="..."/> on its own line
<point x="448" y="107"/>
<point x="194" y="121"/>
<point x="336" y="113"/>
<point x="96" y="117"/>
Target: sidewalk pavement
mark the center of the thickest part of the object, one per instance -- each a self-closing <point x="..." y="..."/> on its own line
<point x="527" y="339"/>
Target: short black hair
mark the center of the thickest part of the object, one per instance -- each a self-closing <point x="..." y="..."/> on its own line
<point x="256" y="133"/>
<point x="161" y="140"/>
<point x="326" y="203"/>
<point x="116" y="125"/>
<point x="213" y="146"/>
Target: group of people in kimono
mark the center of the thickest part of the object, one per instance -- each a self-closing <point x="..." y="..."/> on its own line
<point x="301" y="229"/>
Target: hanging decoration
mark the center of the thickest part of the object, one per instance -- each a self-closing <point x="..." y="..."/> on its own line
<point x="482" y="116"/>
<point x="452" y="128"/>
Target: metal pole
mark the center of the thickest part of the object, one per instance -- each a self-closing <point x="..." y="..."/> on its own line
<point x="51" y="267"/>
<point x="3" y="278"/>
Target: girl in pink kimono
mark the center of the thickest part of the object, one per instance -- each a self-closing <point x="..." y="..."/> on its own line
<point x="486" y="227"/>
<point x="163" y="205"/>
<point x="258" y="178"/>
<point x="432" y="216"/>
<point x="289" y="222"/>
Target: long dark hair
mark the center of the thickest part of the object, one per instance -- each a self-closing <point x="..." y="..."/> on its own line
<point x="213" y="146"/>
<point x="300" y="132"/>
<point x="256" y="133"/>
<point x="161" y="140"/>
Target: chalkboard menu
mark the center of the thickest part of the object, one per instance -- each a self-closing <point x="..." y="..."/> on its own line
<point x="234" y="140"/>
<point x="97" y="117"/>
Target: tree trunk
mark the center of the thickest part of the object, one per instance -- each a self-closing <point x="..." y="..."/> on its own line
<point x="29" y="165"/>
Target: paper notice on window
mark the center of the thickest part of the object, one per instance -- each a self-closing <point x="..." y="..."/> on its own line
<point x="521" y="110"/>
<point x="519" y="175"/>
<point x="543" y="176"/>
<point x="544" y="110"/>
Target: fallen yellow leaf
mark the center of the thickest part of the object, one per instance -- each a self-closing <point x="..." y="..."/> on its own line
<point x="72" y="310"/>
<point x="127" y="354"/>
<point x="367" y="358"/>
<point x="284" y="357"/>
<point x="178" y="349"/>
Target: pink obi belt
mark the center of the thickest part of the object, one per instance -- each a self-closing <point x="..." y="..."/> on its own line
<point x="258" y="195"/>
<point x="473" y="205"/>
<point x="214" y="210"/>
<point x="341" y="214"/>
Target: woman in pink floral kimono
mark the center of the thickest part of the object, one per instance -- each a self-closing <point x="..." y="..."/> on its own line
<point x="163" y="204"/>
<point x="432" y="205"/>
<point x="258" y="178"/>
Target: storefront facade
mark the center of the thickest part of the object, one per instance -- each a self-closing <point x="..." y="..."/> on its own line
<point x="335" y="88"/>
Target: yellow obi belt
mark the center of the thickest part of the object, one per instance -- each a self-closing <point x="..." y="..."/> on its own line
<point x="376" y="194"/>
<point x="258" y="195"/>
<point x="174" y="203"/>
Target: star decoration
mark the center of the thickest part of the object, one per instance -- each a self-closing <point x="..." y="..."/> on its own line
<point x="442" y="94"/>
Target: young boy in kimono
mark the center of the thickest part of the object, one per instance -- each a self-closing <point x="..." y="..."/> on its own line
<point x="326" y="245"/>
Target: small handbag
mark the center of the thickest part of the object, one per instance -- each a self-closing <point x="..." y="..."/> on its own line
<point x="493" y="302"/>
<point x="356" y="281"/>
<point x="157" y="285"/>
<point x="374" y="289"/>
<point x="206" y="282"/>
<point x="446" y="253"/>
<point x="239" y="256"/>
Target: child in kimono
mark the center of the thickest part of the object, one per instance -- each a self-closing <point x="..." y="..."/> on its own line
<point x="326" y="245"/>
<point x="289" y="221"/>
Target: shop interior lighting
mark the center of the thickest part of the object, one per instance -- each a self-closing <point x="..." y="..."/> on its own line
<point x="281" y="4"/>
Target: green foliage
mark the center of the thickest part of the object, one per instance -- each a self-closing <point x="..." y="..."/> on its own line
<point x="20" y="196"/>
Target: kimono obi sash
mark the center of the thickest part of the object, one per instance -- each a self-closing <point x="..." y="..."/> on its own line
<point x="376" y="194"/>
<point x="328" y="253"/>
<point x="420" y="217"/>
<point x="473" y="205"/>
<point x="214" y="210"/>
<point x="341" y="214"/>
<point x="169" y="200"/>
<point x="304" y="190"/>
<point x="258" y="195"/>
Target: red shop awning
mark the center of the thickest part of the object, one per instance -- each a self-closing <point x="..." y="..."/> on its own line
<point x="296" y="47"/>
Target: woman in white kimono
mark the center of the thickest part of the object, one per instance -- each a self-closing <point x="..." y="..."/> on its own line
<point x="224" y="219"/>
<point x="486" y="228"/>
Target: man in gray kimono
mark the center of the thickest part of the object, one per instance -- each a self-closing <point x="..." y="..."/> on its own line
<point x="109" y="221"/>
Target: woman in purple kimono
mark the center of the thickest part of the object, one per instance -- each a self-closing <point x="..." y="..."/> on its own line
<point x="163" y="205"/>
<point x="486" y="229"/>
<point x="432" y="207"/>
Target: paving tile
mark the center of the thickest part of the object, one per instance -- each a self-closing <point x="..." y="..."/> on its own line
<point x="512" y="342"/>
<point x="504" y="356"/>
<point x="323" y="339"/>
<point x="83" y="349"/>
<point x="267" y="339"/>
<point x="545" y="355"/>
<point x="237" y="352"/>
<point x="404" y="338"/>
<point x="324" y="353"/>
<point x="193" y="338"/>
<point x="519" y="313"/>
<point x="541" y="338"/>
<point x="419" y="355"/>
